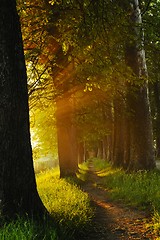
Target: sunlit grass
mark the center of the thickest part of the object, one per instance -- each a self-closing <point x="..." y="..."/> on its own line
<point x="68" y="205"/>
<point x="140" y="189"/>
<point x="82" y="173"/>
<point x="84" y="166"/>
<point x="65" y="201"/>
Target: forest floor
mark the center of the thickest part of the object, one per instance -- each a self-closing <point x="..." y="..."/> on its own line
<point x="113" y="221"/>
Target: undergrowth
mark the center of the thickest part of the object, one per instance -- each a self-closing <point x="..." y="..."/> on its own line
<point x="82" y="173"/>
<point x="27" y="229"/>
<point x="66" y="202"/>
<point x="140" y="189"/>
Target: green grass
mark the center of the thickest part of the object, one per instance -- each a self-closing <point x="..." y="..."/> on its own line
<point x="140" y="189"/>
<point x="65" y="201"/>
<point x="82" y="174"/>
<point x="67" y="204"/>
<point x="26" y="229"/>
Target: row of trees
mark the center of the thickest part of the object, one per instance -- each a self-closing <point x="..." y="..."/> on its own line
<point x="89" y="58"/>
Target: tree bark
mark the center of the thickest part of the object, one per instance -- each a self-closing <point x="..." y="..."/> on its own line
<point x="66" y="135"/>
<point x="141" y="139"/>
<point x="18" y="193"/>
<point x="118" y="146"/>
<point x="157" y="119"/>
<point x="100" y="149"/>
<point x="81" y="152"/>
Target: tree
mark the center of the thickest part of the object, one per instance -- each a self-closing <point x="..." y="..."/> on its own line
<point x="103" y="44"/>
<point x="141" y="136"/>
<point x="152" y="43"/>
<point x="67" y="138"/>
<point x="52" y="60"/>
<point x="18" y="191"/>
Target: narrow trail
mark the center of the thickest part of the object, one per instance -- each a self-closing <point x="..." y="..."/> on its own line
<point x="113" y="221"/>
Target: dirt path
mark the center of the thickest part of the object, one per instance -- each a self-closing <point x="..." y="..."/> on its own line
<point x="113" y="221"/>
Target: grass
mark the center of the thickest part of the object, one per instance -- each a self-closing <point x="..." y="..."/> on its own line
<point x="26" y="229"/>
<point x="70" y="206"/>
<point x="82" y="174"/>
<point x="66" y="202"/>
<point x="140" y="189"/>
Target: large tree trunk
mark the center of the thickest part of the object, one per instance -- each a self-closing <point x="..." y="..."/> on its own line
<point x="18" y="193"/>
<point x="141" y="140"/>
<point x="66" y="134"/>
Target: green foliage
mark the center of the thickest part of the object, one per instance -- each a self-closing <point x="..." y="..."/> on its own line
<point x="68" y="205"/>
<point x="87" y="38"/>
<point x="100" y="165"/>
<point x="43" y="129"/>
<point x="87" y="33"/>
<point x="92" y="120"/>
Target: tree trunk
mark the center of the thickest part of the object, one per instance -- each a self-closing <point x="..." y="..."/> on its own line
<point x="66" y="134"/>
<point x="141" y="140"/>
<point x="126" y="141"/>
<point x="107" y="145"/>
<point x="157" y="120"/>
<point x="118" y="147"/>
<point x="81" y="152"/>
<point x="18" y="193"/>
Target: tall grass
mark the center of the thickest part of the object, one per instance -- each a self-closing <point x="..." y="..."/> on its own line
<point x="68" y="205"/>
<point x="27" y="229"/>
<point x="65" y="201"/>
<point x="140" y="189"/>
